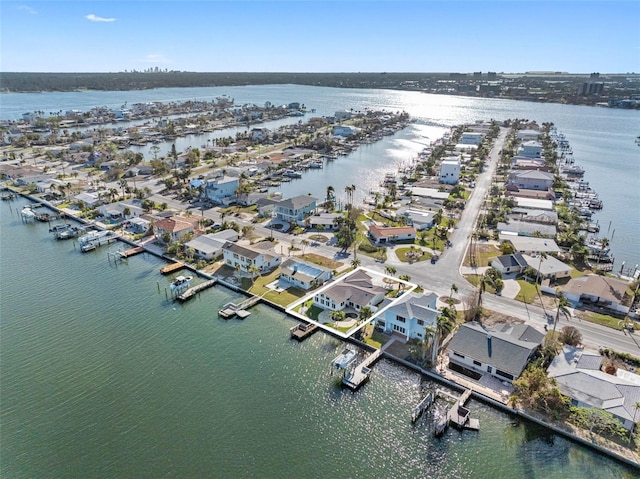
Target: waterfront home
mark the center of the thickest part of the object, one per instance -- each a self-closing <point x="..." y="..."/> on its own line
<point x="503" y="350"/>
<point x="450" y="171"/>
<point x="524" y="163"/>
<point x="529" y="244"/>
<point x="534" y="204"/>
<point x="209" y="246"/>
<point x="92" y="200"/>
<point x="353" y="292"/>
<point x="410" y="316"/>
<point x="175" y="226"/>
<point x="534" y="216"/>
<point x="529" y="180"/>
<point x="267" y="206"/>
<point x="389" y="234"/>
<point x="137" y="225"/>
<point x="261" y="255"/>
<point x="222" y="189"/>
<point x="345" y="130"/>
<point x="296" y="209"/>
<point x="548" y="267"/>
<point x="509" y="263"/>
<point x="325" y="221"/>
<point x="522" y="228"/>
<point x="302" y="274"/>
<point x="600" y="290"/>
<point x="419" y="219"/>
<point x="471" y="138"/>
<point x="341" y="115"/>
<point x="530" y="149"/>
<point x="577" y="374"/>
<point x="528" y="135"/>
<point x="259" y="134"/>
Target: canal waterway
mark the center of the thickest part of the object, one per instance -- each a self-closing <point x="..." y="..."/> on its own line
<point x="603" y="139"/>
<point x="102" y="376"/>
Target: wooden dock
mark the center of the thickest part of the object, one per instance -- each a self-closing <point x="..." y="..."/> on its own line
<point x="457" y="414"/>
<point x="172" y="267"/>
<point x="230" y="310"/>
<point x="191" y="292"/>
<point x="361" y="372"/>
<point x="131" y="252"/>
<point x="303" y="330"/>
<point x="426" y="402"/>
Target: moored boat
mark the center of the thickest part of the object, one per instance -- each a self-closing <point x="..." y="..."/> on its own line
<point x="181" y="282"/>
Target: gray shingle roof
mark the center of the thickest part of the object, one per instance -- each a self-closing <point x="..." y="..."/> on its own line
<point x="297" y="202"/>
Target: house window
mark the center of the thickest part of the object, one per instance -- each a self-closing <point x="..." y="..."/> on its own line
<point x="400" y="319"/>
<point x="400" y="329"/>
<point x="421" y="322"/>
<point x="458" y="355"/>
<point x="477" y="363"/>
<point x="504" y="374"/>
<point x="235" y="255"/>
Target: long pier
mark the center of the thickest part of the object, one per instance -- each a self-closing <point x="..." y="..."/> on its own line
<point x="131" y="252"/>
<point x="191" y="292"/>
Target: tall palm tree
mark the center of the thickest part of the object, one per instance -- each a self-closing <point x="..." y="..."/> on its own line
<point x="330" y="192"/>
<point x="304" y="243"/>
<point x="365" y="313"/>
<point x="563" y="308"/>
<point x="355" y="263"/>
<point x="604" y="243"/>
<point x="454" y="289"/>
<point x="538" y="281"/>
<point x="444" y="325"/>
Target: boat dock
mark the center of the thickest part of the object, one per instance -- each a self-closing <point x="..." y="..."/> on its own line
<point x="303" y="330"/>
<point x="230" y="310"/>
<point x="191" y="292"/>
<point x="131" y="252"/>
<point x="457" y="414"/>
<point x="91" y="242"/>
<point x="426" y="402"/>
<point x="361" y="372"/>
<point x="172" y="267"/>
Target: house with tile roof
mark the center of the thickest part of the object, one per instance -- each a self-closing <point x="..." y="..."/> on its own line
<point x="578" y="376"/>
<point x="503" y="350"/>
<point x="410" y="316"/>
<point x="390" y="234"/>
<point x="261" y="254"/>
<point x="175" y="226"/>
<point x="354" y="291"/>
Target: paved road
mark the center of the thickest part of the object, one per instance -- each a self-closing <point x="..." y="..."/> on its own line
<point x="440" y="276"/>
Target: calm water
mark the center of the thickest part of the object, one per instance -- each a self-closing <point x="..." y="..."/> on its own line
<point x="602" y="139"/>
<point x="103" y="377"/>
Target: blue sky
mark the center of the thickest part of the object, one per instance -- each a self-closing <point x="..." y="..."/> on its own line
<point x="398" y="36"/>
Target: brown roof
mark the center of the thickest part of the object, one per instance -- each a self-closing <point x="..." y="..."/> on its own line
<point x="176" y="223"/>
<point x="595" y="285"/>
<point x="381" y="231"/>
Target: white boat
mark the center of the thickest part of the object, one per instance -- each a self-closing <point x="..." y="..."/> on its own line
<point x="316" y="164"/>
<point x="94" y="236"/>
<point x="181" y="282"/>
<point x="346" y="357"/>
<point x="27" y="213"/>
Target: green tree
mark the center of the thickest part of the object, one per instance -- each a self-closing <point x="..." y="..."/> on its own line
<point x="365" y="313"/>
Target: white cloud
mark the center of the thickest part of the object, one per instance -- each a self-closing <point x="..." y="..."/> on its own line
<point x="27" y="9"/>
<point x="96" y="18"/>
<point x="156" y="58"/>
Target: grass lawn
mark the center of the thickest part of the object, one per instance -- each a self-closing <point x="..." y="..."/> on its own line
<point x="321" y="260"/>
<point x="484" y="252"/>
<point x="401" y="253"/>
<point x="239" y="209"/>
<point x="528" y="291"/>
<point x="474" y="279"/>
<point x="314" y="312"/>
<point x="602" y="319"/>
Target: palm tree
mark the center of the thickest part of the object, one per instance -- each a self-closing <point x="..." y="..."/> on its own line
<point x="365" y="313"/>
<point x="403" y="277"/>
<point x="604" y="243"/>
<point x="563" y="307"/>
<point x="355" y="263"/>
<point x="253" y="270"/>
<point x="304" y="243"/>
<point x="390" y="270"/>
<point x="454" y="289"/>
<point x="330" y="193"/>
<point x="538" y="280"/>
<point x="338" y="315"/>
<point x="444" y="325"/>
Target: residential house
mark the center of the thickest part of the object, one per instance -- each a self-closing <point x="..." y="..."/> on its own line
<point x="296" y="209"/>
<point x="261" y="255"/>
<point x="345" y="130"/>
<point x="390" y="234"/>
<point x="419" y="219"/>
<point x="222" y="189"/>
<point x="342" y="115"/>
<point x="534" y="216"/>
<point x="410" y="316"/>
<point x="530" y="180"/>
<point x="209" y="246"/>
<point x="548" y="267"/>
<point x="302" y="274"/>
<point x="524" y="163"/>
<point x="137" y="225"/>
<point x="600" y="290"/>
<point x="259" y="134"/>
<point x="578" y="376"/>
<point x="502" y="351"/>
<point x="535" y="204"/>
<point x="529" y="244"/>
<point x="90" y="199"/>
<point x="528" y="135"/>
<point x="509" y="263"/>
<point x="354" y="291"/>
<point x="522" y="228"/>
<point x="116" y="211"/>
<point x="450" y="171"/>
<point x="530" y="149"/>
<point x="175" y="226"/>
<point x="267" y="206"/>
<point x="471" y="138"/>
<point x="325" y="221"/>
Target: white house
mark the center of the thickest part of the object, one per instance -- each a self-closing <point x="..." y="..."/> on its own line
<point x="342" y="115"/>
<point x="528" y="135"/>
<point x="530" y="180"/>
<point x="261" y="255"/>
<point x="389" y="234"/>
<point x="222" y="189"/>
<point x="345" y="130"/>
<point x="209" y="246"/>
<point x="355" y="291"/>
<point x="502" y="351"/>
<point x="522" y="228"/>
<point x="325" y="221"/>
<point x="410" y="315"/>
<point x="548" y="267"/>
<point x="578" y="376"/>
<point x="296" y="209"/>
<point x="471" y="138"/>
<point x="419" y="219"/>
<point x="450" y="171"/>
<point x="302" y="274"/>
<point x="530" y="149"/>
<point x="509" y="263"/>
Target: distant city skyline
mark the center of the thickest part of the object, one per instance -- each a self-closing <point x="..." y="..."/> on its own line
<point x="330" y="36"/>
